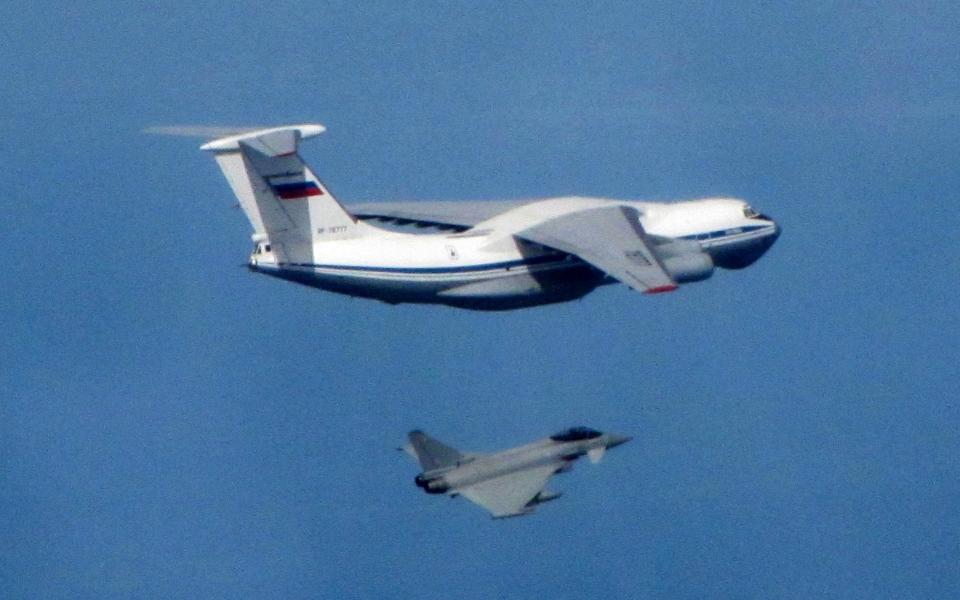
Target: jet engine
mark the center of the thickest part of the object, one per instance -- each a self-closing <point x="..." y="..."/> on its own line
<point x="431" y="486"/>
<point x="685" y="261"/>
<point x="689" y="267"/>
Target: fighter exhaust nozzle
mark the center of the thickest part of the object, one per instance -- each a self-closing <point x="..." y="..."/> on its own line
<point x="431" y="486"/>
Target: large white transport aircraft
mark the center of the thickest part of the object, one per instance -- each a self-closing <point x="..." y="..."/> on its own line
<point x="478" y="255"/>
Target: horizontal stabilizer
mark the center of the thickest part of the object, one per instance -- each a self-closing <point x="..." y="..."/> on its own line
<point x="276" y="141"/>
<point x="200" y="131"/>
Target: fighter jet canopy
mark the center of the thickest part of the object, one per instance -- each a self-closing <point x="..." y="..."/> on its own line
<point x="575" y="434"/>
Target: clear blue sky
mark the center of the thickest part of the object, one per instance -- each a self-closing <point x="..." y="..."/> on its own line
<point x="174" y="426"/>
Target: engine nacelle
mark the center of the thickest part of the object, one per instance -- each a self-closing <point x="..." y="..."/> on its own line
<point x="684" y="260"/>
<point x="684" y="268"/>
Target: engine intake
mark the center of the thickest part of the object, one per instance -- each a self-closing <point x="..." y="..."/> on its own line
<point x="685" y="268"/>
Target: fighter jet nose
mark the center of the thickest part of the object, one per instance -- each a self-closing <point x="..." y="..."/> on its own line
<point x="616" y="440"/>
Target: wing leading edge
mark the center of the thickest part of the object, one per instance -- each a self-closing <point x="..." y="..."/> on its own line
<point x="611" y="239"/>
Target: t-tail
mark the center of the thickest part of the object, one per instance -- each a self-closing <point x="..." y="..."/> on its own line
<point x="287" y="205"/>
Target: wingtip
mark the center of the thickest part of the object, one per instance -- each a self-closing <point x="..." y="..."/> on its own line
<point x="662" y="289"/>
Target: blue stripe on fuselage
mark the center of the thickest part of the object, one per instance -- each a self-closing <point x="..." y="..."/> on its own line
<point x="538" y="260"/>
<point x="549" y="259"/>
<point x="714" y="235"/>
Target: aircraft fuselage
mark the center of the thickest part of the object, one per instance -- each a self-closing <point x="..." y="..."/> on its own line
<point x="482" y="268"/>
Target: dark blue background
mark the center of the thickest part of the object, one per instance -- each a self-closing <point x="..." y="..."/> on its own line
<point x="173" y="426"/>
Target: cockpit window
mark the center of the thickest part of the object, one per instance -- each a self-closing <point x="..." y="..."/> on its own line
<point x="749" y="213"/>
<point x="575" y="434"/>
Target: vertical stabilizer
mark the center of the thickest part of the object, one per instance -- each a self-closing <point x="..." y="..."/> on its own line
<point x="286" y="203"/>
<point x="432" y="453"/>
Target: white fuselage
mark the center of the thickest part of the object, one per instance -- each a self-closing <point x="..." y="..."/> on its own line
<point x="487" y="267"/>
<point x="530" y="456"/>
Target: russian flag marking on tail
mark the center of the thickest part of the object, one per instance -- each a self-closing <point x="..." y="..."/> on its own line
<point x="297" y="190"/>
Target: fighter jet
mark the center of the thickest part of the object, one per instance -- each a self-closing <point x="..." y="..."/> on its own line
<point x="475" y="255"/>
<point x="510" y="483"/>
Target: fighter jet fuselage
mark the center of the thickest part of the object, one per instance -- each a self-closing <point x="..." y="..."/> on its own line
<point x="508" y="483"/>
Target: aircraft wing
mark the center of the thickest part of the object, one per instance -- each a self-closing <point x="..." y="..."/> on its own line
<point x="510" y="495"/>
<point x="611" y="239"/>
<point x="455" y="213"/>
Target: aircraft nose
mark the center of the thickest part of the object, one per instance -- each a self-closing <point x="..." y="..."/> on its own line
<point x="776" y="230"/>
<point x="768" y="240"/>
<point x="776" y="226"/>
<point x="742" y="254"/>
<point x="616" y="440"/>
